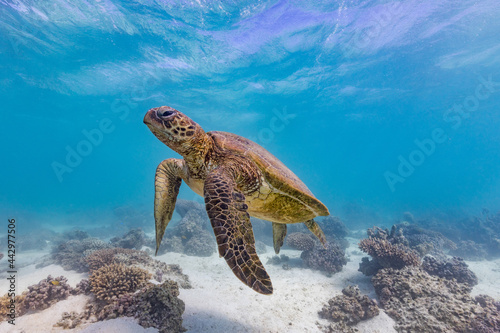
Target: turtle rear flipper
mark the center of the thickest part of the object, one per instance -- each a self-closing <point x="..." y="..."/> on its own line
<point x="168" y="180"/>
<point x="230" y="220"/>
<point x="316" y="230"/>
<point x="279" y="233"/>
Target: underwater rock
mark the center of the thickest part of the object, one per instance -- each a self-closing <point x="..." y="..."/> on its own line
<point x="333" y="226"/>
<point x="275" y="260"/>
<point x="133" y="239"/>
<point x="71" y="254"/>
<point x="387" y="254"/>
<point x="69" y="320"/>
<point x="450" y="269"/>
<point x="159" y="306"/>
<point x="350" y="308"/>
<point x="171" y="243"/>
<point x="191" y="224"/>
<point x="153" y="306"/>
<point x="420" y="302"/>
<point x="426" y="241"/>
<point x="75" y="235"/>
<point x="329" y="260"/>
<point x="37" y="239"/>
<point x="202" y="244"/>
<point x="470" y="250"/>
<point x="183" y="206"/>
<point x="112" y="281"/>
<point x="369" y="267"/>
<point x="300" y="241"/>
<point x="47" y="292"/>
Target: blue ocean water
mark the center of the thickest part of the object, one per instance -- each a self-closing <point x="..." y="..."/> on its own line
<point x="380" y="107"/>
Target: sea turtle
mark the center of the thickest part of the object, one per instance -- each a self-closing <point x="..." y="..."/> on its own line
<point x="238" y="179"/>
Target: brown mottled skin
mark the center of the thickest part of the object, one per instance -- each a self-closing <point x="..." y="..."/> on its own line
<point x="238" y="179"/>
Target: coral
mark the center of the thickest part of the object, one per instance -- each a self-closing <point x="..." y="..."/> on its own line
<point x="100" y="258"/>
<point x="333" y="226"/>
<point x="183" y="206"/>
<point x="75" y="234"/>
<point x="141" y="259"/>
<point x="69" y="320"/>
<point x="329" y="259"/>
<point x="191" y="224"/>
<point x="450" y="269"/>
<point x="389" y="255"/>
<point x="300" y="241"/>
<point x="350" y="308"/>
<point x="489" y="320"/>
<point x="47" y="292"/>
<point x="470" y="250"/>
<point x="420" y="302"/>
<point x="133" y="239"/>
<point x="275" y="260"/>
<point x="201" y="244"/>
<point x="70" y="255"/>
<point x="171" y="243"/>
<point x="369" y="267"/>
<point x="83" y="287"/>
<point x="159" y="306"/>
<point x="112" y="281"/>
<point x="153" y="306"/>
<point x="35" y="239"/>
<point x="10" y="308"/>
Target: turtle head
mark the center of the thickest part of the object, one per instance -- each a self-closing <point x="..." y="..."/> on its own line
<point x="174" y="129"/>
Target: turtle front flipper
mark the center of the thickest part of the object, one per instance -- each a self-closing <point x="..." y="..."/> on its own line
<point x="168" y="180"/>
<point x="316" y="230"/>
<point x="228" y="214"/>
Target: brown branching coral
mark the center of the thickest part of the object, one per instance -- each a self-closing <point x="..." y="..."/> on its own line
<point x="389" y="255"/>
<point x="112" y="281"/>
<point x="11" y="308"/>
<point x="47" y="292"/>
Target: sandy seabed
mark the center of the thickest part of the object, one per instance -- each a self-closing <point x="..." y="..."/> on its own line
<point x="219" y="302"/>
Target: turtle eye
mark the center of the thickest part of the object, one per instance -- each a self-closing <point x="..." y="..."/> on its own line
<point x="165" y="114"/>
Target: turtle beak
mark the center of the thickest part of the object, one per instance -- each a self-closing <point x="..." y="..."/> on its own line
<point x="150" y="116"/>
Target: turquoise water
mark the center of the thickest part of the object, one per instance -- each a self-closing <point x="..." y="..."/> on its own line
<point x="345" y="93"/>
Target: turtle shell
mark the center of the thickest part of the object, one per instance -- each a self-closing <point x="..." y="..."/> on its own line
<point x="273" y="170"/>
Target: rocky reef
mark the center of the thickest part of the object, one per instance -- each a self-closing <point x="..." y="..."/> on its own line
<point x="300" y="241"/>
<point x="330" y="259"/>
<point x="192" y="235"/>
<point x="387" y="250"/>
<point x="133" y="239"/>
<point x="348" y="309"/>
<point x="71" y="254"/>
<point x="420" y="302"/>
<point x="450" y="269"/>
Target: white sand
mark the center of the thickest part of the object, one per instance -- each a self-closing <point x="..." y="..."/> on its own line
<point x="219" y="302"/>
